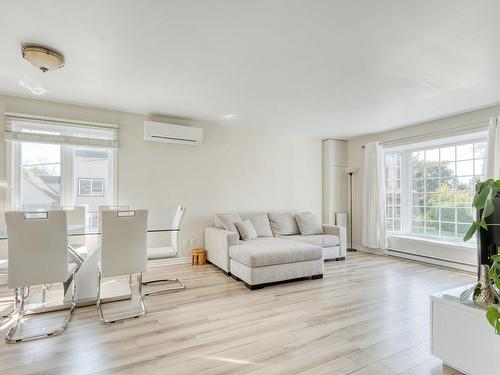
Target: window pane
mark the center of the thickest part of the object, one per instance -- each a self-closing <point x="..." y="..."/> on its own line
<point x="465" y="168"/>
<point x="418" y="185"/>
<point x="447" y="153"/>
<point x="465" y="152"/>
<point x="417" y="227"/>
<point x="465" y="215"/>
<point x="447" y="170"/>
<point x="478" y="166"/>
<point x="432" y="184"/>
<point x="431" y="169"/>
<point x="448" y="229"/>
<point x="85" y="187"/>
<point x="480" y="150"/>
<point x="432" y="213"/>
<point x="448" y="214"/>
<point x="432" y="155"/>
<point x="432" y="228"/>
<point x="97" y="187"/>
<point x="41" y="175"/>
<point x="418" y="213"/>
<point x="418" y="199"/>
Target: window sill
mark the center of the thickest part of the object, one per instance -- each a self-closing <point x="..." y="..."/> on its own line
<point x="431" y="241"/>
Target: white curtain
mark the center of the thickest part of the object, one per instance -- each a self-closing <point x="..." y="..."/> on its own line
<point x="373" y="220"/>
<point x="493" y="153"/>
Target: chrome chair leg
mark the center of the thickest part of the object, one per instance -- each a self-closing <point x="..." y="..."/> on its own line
<point x="180" y="286"/>
<point x="20" y="315"/>
<point x="100" y="311"/>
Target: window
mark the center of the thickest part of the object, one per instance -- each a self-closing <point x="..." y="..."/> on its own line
<point x="56" y="164"/>
<point x="90" y="187"/>
<point x="436" y="186"/>
<point x="393" y="191"/>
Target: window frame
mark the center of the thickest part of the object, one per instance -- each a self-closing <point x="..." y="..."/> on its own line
<point x="67" y="193"/>
<point x="406" y="188"/>
<point x="91" y="180"/>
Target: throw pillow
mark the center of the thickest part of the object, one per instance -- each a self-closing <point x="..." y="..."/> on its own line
<point x="261" y="224"/>
<point x="246" y="230"/>
<point x="283" y="224"/>
<point x="226" y="221"/>
<point x="308" y="225"/>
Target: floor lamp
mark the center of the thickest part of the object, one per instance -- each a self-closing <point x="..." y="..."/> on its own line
<point x="350" y="171"/>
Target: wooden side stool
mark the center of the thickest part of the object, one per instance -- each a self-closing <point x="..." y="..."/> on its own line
<point x="198" y="256"/>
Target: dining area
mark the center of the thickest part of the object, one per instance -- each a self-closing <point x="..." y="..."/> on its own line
<point x="60" y="258"/>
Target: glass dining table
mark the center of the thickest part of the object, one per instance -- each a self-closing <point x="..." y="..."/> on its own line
<point x="86" y="274"/>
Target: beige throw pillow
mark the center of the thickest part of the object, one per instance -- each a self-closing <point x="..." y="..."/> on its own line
<point x="283" y="224"/>
<point x="226" y="221"/>
<point x="308" y="225"/>
<point x="261" y="224"/>
<point x="246" y="230"/>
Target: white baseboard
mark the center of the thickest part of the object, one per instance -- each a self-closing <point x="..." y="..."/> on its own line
<point x="360" y="247"/>
<point x="419" y="258"/>
<point x="168" y="261"/>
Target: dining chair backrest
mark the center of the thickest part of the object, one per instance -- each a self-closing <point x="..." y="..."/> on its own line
<point x="37" y="248"/>
<point x="176" y="224"/>
<point x="75" y="215"/>
<point x="124" y="242"/>
<point x="114" y="208"/>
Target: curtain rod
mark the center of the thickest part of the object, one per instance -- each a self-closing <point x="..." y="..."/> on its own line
<point x="482" y="125"/>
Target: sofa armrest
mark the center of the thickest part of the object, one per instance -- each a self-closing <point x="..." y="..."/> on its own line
<point x="339" y="231"/>
<point x="217" y="243"/>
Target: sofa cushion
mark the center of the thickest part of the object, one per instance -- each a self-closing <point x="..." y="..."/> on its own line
<point x="226" y="221"/>
<point x="283" y="224"/>
<point x="271" y="251"/>
<point x="323" y="240"/>
<point x="307" y="223"/>
<point x="246" y="230"/>
<point x="261" y="224"/>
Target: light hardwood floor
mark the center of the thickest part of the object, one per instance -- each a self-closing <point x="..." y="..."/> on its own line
<point x="368" y="315"/>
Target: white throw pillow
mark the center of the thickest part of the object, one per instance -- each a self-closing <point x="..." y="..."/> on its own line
<point x="283" y="224"/>
<point x="226" y="221"/>
<point x="261" y="224"/>
<point x="246" y="230"/>
<point x="308" y="225"/>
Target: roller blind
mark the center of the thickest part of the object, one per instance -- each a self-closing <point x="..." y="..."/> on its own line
<point x="40" y="130"/>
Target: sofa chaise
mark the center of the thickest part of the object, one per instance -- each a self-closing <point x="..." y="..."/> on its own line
<point x="281" y="246"/>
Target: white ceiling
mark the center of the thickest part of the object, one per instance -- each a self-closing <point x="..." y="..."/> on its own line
<point x="314" y="68"/>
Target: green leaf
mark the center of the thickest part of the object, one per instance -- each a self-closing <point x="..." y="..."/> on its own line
<point x="480" y="197"/>
<point x="489" y="205"/>
<point x="483" y="224"/>
<point x="495" y="258"/>
<point x="492" y="314"/>
<point x="474" y="226"/>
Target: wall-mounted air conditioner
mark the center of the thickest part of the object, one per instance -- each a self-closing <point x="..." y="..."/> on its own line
<point x="161" y="132"/>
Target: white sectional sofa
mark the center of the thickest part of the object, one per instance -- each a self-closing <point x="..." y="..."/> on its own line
<point x="278" y="253"/>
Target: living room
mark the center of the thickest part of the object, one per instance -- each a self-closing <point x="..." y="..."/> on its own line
<point x="269" y="187"/>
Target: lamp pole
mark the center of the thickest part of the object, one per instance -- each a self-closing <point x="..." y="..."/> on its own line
<point x="350" y="210"/>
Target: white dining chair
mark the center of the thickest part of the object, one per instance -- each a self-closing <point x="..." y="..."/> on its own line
<point x="155" y="253"/>
<point x="38" y="255"/>
<point x="123" y="252"/>
<point x="75" y="218"/>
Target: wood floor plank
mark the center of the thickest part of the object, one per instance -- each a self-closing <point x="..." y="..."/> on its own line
<point x="368" y="315"/>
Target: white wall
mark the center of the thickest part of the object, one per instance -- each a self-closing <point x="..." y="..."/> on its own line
<point x="355" y="151"/>
<point x="235" y="170"/>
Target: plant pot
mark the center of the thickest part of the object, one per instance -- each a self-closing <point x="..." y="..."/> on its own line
<point x="489" y="240"/>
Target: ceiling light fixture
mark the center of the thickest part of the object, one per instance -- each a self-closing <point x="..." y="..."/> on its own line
<point x="43" y="58"/>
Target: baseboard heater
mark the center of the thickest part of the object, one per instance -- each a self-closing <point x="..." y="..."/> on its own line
<point x="431" y="259"/>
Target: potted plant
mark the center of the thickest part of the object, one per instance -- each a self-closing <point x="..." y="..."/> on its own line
<point x="487" y="203"/>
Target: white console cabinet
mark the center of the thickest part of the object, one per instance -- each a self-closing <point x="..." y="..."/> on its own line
<point x="461" y="336"/>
